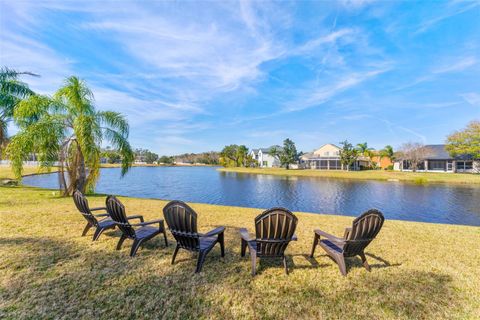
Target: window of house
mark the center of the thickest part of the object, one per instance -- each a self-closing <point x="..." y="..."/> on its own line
<point x="464" y="165"/>
<point x="265" y="163"/>
<point x="335" y="165"/>
<point x="327" y="153"/>
<point x="407" y="165"/>
<point x="323" y="164"/>
<point x="437" y="165"/>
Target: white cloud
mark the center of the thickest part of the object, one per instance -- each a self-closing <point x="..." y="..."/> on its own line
<point x="459" y="65"/>
<point x="24" y="54"/>
<point x="322" y="40"/>
<point x="427" y="24"/>
<point x="356" y="4"/>
<point x="316" y="95"/>
<point x="472" y="98"/>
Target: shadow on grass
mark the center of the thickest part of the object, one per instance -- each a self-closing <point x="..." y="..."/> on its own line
<point x="407" y="294"/>
<point x="35" y="253"/>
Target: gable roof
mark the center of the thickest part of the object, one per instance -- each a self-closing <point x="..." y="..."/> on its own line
<point x="267" y="150"/>
<point x="438" y="152"/>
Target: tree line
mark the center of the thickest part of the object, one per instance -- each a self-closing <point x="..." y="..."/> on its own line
<point x="110" y="155"/>
<point x="238" y="155"/>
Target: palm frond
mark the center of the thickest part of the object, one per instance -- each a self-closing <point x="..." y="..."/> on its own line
<point x="120" y="143"/>
<point x="8" y="74"/>
<point x="76" y="95"/>
<point x="30" y="110"/>
<point x="43" y="138"/>
<point x="115" y="121"/>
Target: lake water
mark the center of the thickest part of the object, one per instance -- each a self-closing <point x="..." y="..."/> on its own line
<point x="404" y="201"/>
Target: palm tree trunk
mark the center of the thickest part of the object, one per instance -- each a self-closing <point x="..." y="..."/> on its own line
<point x="81" y="173"/>
<point x="61" y="175"/>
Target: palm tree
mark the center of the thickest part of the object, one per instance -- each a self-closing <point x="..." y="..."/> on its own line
<point x="365" y="151"/>
<point x="68" y="129"/>
<point x="388" y="152"/>
<point x="12" y="91"/>
<point x="363" y="148"/>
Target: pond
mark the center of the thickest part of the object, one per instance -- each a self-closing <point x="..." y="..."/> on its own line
<point x="439" y="203"/>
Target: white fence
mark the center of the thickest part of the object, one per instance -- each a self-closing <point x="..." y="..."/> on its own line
<point x="25" y="163"/>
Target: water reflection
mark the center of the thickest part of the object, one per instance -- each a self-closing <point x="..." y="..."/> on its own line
<point x="428" y="203"/>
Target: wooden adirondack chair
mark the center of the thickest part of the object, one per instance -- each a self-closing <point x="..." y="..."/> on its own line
<point x="364" y="229"/>
<point x="81" y="203"/>
<point x="139" y="235"/>
<point x="182" y="223"/>
<point x="274" y="229"/>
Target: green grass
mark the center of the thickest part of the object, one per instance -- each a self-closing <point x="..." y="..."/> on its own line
<point x="415" y="177"/>
<point x="47" y="270"/>
<point x="6" y="171"/>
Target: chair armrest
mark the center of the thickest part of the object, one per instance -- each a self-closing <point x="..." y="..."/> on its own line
<point x="245" y="235"/>
<point x="347" y="232"/>
<point x="329" y="236"/>
<point x="138" y="216"/>
<point x="102" y="215"/>
<point x="213" y="232"/>
<point x="141" y="224"/>
<point x="96" y="209"/>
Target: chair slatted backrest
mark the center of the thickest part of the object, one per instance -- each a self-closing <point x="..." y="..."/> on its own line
<point x="81" y="203"/>
<point x="274" y="229"/>
<point x="182" y="222"/>
<point x="116" y="210"/>
<point x="364" y="229"/>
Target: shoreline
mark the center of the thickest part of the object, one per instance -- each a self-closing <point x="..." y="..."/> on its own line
<point x="421" y="178"/>
<point x="97" y="194"/>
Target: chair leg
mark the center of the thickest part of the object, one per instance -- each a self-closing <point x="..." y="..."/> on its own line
<point x="135" y="246"/>
<point x="364" y="261"/>
<point x="175" y="253"/>
<point x="244" y="248"/>
<point x="165" y="238"/>
<point x="341" y="265"/>
<point x="315" y="243"/>
<point x="285" y="264"/>
<point x="200" y="261"/>
<point x="87" y="227"/>
<point x="222" y="244"/>
<point x="253" y="256"/>
<point x="120" y="242"/>
<point x="97" y="233"/>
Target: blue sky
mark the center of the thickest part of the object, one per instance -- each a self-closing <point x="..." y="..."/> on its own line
<point x="195" y="76"/>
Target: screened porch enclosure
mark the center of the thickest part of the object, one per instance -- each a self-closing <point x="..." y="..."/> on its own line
<point x="328" y="164"/>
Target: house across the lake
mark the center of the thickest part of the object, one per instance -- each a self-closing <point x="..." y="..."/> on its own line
<point x="438" y="159"/>
<point x="264" y="158"/>
<point x="327" y="157"/>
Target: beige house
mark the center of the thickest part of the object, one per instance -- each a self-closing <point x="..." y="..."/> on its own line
<point x="327" y="157"/>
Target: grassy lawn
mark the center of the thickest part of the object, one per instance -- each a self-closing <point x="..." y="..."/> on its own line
<point x="47" y="270"/>
<point x="6" y="171"/>
<point x="416" y="177"/>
